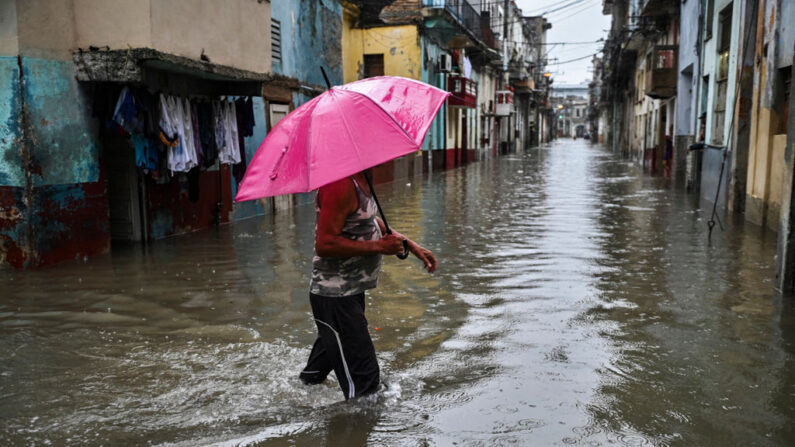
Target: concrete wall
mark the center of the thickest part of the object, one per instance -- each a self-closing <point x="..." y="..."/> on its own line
<point x="687" y="84"/>
<point x="689" y="75"/>
<point x="765" y="178"/>
<point x="236" y="34"/>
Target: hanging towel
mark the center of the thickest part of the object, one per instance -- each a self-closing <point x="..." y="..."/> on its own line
<point x="230" y="153"/>
<point x="125" y="113"/>
<point x="146" y="156"/>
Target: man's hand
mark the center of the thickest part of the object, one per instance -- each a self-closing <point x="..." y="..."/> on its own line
<point x="424" y="255"/>
<point x="391" y="244"/>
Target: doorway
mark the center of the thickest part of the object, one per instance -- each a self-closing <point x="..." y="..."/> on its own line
<point x="124" y="197"/>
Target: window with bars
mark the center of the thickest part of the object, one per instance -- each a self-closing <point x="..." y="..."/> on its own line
<point x="373" y="65"/>
<point x="276" y="41"/>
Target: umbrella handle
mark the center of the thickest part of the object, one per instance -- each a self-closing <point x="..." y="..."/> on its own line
<point x="405" y="253"/>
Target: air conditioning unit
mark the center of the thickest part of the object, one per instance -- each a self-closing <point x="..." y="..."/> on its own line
<point x="445" y="63"/>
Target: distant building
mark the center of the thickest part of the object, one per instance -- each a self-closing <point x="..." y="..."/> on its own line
<point x="570" y="104"/>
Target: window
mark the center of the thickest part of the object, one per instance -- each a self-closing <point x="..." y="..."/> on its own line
<point x="722" y="78"/>
<point x="373" y="65"/>
<point x="276" y="41"/>
<point x="710" y="17"/>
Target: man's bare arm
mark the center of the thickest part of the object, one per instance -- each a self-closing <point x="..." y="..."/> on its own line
<point x="423" y="254"/>
<point x="337" y="200"/>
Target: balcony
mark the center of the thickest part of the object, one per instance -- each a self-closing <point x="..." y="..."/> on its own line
<point x="504" y="103"/>
<point x="467" y="17"/>
<point x="464" y="92"/>
<point x="523" y="85"/>
<point x="661" y="77"/>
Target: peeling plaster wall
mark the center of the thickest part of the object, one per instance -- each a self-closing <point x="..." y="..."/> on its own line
<point x="352" y="63"/>
<point x="311" y="37"/>
<point x="766" y="162"/>
<point x="11" y="173"/>
<point x="52" y="198"/>
<point x="62" y="134"/>
<point x="400" y="46"/>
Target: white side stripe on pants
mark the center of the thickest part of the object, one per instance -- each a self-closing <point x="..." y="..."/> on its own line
<point x="351" y="389"/>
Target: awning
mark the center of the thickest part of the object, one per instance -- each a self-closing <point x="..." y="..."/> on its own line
<point x="147" y="66"/>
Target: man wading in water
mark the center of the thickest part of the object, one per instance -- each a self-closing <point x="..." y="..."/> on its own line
<point x="348" y="247"/>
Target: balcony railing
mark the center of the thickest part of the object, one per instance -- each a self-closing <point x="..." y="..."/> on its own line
<point x="464" y="91"/>
<point x="661" y="76"/>
<point x="468" y="17"/>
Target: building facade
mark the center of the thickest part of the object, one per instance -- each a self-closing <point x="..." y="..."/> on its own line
<point x="725" y="68"/>
<point x="88" y="158"/>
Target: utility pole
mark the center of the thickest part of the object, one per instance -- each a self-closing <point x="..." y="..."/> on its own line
<point x="503" y="75"/>
<point x="505" y="40"/>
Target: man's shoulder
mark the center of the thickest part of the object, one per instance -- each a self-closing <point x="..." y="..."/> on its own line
<point x="337" y="193"/>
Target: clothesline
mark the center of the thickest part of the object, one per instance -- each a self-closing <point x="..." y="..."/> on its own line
<point x="175" y="135"/>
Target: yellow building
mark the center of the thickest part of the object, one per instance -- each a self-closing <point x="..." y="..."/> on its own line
<point x="386" y="50"/>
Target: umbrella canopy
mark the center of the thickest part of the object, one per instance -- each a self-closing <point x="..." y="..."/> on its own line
<point x="345" y="130"/>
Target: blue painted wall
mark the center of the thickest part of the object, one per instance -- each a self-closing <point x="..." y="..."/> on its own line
<point x="10" y="168"/>
<point x="311" y="37"/>
<point x="62" y="212"/>
<point x="62" y="135"/>
<point x="252" y="207"/>
<point x="430" y="52"/>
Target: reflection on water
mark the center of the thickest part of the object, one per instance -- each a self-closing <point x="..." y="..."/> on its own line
<point x="577" y="302"/>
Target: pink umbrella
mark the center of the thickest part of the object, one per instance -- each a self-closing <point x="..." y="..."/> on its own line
<point x="345" y="130"/>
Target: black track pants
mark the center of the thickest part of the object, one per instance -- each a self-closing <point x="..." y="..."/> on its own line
<point x="343" y="344"/>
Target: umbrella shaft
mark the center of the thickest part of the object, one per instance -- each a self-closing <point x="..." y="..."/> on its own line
<point x="377" y="204"/>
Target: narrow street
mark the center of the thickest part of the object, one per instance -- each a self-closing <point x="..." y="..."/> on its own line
<point x="577" y="302"/>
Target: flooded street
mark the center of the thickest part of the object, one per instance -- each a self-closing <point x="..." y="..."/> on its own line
<point x="577" y="302"/>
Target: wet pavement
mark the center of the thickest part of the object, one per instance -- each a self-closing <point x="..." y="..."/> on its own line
<point x="577" y="302"/>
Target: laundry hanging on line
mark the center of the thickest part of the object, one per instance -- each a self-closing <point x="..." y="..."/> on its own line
<point x="187" y="133"/>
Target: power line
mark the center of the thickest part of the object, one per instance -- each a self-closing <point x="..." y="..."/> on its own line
<point x="567" y="5"/>
<point x="575" y="13"/>
<point x="573" y="60"/>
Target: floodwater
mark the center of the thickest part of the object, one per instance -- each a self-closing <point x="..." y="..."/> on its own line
<point x="577" y="302"/>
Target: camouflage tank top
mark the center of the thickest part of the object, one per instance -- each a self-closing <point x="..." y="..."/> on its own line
<point x="350" y="276"/>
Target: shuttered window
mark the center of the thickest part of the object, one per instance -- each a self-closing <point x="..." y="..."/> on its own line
<point x="276" y="41"/>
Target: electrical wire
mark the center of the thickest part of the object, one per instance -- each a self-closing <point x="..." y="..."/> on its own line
<point x="567" y="5"/>
<point x="575" y="13"/>
<point x="573" y="60"/>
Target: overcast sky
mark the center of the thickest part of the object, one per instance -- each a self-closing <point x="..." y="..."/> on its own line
<point x="580" y="21"/>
